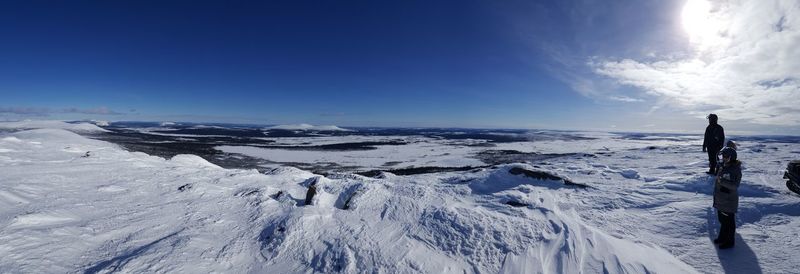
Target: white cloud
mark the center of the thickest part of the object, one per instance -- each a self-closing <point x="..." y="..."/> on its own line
<point x="99" y="110"/>
<point x="34" y="111"/>
<point x="30" y="111"/>
<point x="745" y="66"/>
<point x="624" y="99"/>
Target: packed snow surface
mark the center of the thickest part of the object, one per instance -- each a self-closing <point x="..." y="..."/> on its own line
<point x="73" y="204"/>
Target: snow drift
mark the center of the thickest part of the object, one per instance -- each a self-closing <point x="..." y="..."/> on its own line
<point x="73" y="204"/>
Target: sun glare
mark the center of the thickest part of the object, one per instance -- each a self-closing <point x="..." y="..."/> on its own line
<point x="696" y="19"/>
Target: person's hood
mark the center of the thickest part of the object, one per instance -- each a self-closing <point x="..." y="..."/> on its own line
<point x="712" y="119"/>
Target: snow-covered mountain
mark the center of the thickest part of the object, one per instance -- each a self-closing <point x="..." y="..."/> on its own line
<point x="50" y="124"/>
<point x="69" y="203"/>
<point x="308" y="127"/>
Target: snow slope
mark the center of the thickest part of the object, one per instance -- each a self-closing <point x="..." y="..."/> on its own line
<point x="73" y="204"/>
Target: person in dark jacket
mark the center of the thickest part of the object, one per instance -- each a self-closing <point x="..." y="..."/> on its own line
<point x="712" y="142"/>
<point x="726" y="197"/>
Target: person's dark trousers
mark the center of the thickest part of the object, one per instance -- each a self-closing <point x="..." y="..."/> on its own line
<point x="727" y="229"/>
<point x="712" y="159"/>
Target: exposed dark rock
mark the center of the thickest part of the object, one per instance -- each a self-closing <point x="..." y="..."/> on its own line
<point x="498" y="157"/>
<point x="341" y="146"/>
<point x="371" y="173"/>
<point x="346" y="205"/>
<point x="418" y="170"/>
<point x="456" y="180"/>
<point x="392" y="163"/>
<point x="311" y="181"/>
<point x="571" y="183"/>
<point x="517" y="204"/>
<point x="793" y="186"/>
<point x="541" y="175"/>
<point x="185" y="187"/>
<point x="312" y="190"/>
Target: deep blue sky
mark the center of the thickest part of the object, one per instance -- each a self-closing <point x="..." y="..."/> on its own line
<point x="521" y="64"/>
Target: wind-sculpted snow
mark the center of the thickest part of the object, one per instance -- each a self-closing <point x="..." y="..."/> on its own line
<point x="72" y="204"/>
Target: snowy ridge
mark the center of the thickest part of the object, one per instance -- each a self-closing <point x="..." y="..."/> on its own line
<point x="192" y="161"/>
<point x="308" y="127"/>
<point x="102" y="123"/>
<point x="120" y="211"/>
<point x="73" y="204"/>
<point x="35" y="124"/>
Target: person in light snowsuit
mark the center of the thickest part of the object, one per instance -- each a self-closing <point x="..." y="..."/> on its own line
<point x="712" y="142"/>
<point x="726" y="197"/>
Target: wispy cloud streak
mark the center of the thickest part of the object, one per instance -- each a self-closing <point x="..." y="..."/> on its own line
<point x="34" y="111"/>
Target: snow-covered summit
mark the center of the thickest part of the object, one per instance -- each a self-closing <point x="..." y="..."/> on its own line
<point x="72" y="204"/>
<point x="99" y="208"/>
<point x="52" y="124"/>
<point x="308" y="127"/>
<point x="101" y="123"/>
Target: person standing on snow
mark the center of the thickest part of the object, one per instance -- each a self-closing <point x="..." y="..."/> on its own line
<point x="732" y="144"/>
<point x="729" y="144"/>
<point x="712" y="142"/>
<point x="726" y="197"/>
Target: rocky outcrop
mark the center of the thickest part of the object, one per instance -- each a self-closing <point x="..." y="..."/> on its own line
<point x="542" y="175"/>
